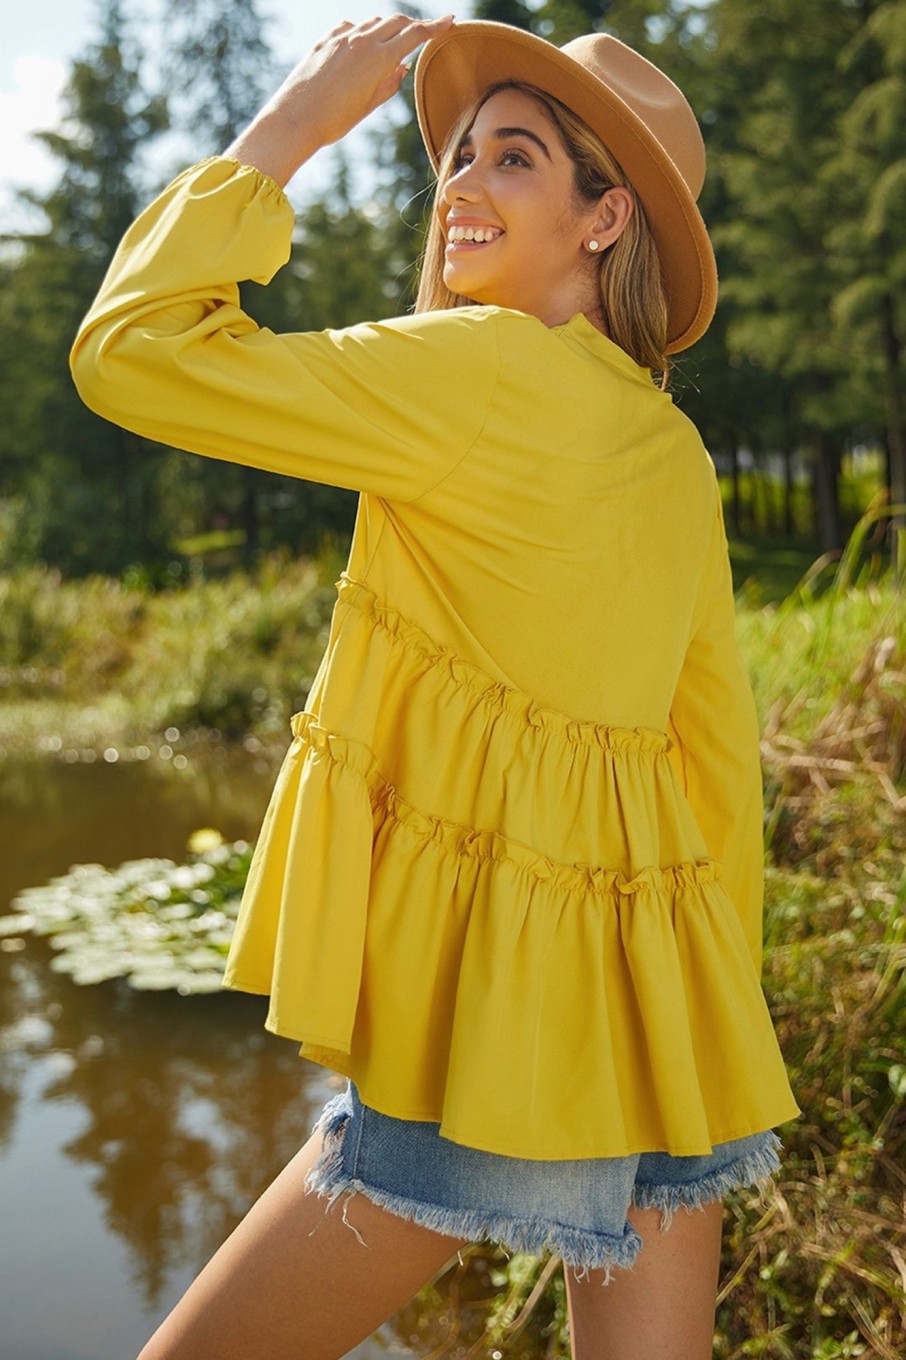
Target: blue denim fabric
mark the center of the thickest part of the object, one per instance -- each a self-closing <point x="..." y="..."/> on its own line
<point x="574" y="1209"/>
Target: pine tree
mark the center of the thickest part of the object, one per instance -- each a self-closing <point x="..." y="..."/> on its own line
<point x="84" y="492"/>
<point x="776" y="105"/>
<point x="219" y="70"/>
<point x="219" y="67"/>
<point x="867" y="176"/>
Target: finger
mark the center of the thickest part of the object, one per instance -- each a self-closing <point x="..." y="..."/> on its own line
<point x="336" y="32"/>
<point x="388" y="88"/>
<point x="395" y="25"/>
<point x="415" y="32"/>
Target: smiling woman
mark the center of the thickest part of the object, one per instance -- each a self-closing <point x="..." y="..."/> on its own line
<point x="519" y="828"/>
<point x="571" y="194"/>
<point x="503" y="166"/>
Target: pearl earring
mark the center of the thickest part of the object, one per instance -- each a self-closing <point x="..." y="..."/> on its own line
<point x="592" y="245"/>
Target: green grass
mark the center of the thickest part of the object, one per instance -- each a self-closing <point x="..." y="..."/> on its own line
<point x="767" y="570"/>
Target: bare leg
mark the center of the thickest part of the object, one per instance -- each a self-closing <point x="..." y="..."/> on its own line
<point x="664" y="1306"/>
<point x="294" y="1280"/>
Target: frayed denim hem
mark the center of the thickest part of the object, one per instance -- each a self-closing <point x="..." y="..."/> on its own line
<point x="752" y="1169"/>
<point x="580" y="1250"/>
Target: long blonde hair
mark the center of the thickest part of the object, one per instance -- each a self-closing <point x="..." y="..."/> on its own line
<point x="633" y="300"/>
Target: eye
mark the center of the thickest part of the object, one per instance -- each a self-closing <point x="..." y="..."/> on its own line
<point x="460" y="159"/>
<point x="514" y="158"/>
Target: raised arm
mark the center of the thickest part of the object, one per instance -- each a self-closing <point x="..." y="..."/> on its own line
<point x="352" y="71"/>
<point x="167" y="351"/>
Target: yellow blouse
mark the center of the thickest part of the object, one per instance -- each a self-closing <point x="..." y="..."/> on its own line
<point x="510" y="876"/>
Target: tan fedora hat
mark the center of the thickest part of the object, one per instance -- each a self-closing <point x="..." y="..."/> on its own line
<point x="637" y="111"/>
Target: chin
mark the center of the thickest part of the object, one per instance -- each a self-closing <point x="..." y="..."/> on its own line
<point x="460" y="290"/>
<point x="453" y="281"/>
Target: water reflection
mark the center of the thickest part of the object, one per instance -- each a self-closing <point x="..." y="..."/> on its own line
<point x="176" y="1111"/>
<point x="137" y="1128"/>
<point x="54" y="815"/>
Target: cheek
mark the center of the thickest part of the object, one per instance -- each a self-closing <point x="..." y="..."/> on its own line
<point x="570" y="225"/>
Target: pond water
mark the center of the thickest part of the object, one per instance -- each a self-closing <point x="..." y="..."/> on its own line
<point x="135" y="1128"/>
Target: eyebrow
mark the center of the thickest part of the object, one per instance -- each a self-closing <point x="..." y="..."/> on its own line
<point x="503" y="133"/>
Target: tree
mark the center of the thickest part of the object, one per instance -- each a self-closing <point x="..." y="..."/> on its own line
<point x="776" y="104"/>
<point x="220" y="71"/>
<point x="515" y="12"/>
<point x="559" y="21"/>
<point x="83" y="493"/>
<point x="868" y="175"/>
<point x="219" y="67"/>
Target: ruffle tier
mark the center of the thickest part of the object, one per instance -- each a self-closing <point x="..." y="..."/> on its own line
<point x="498" y="918"/>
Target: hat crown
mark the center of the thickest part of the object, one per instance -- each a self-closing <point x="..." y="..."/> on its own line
<point x="650" y="95"/>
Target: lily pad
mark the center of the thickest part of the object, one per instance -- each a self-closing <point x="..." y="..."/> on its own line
<point x="160" y="925"/>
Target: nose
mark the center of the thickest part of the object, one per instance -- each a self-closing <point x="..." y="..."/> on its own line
<point x="462" y="186"/>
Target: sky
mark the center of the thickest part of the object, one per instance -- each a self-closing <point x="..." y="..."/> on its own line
<point x="41" y="39"/>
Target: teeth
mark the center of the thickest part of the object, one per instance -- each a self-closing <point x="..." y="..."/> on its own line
<point x="477" y="234"/>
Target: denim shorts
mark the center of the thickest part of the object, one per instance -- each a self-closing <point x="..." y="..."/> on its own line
<point x="576" y="1210"/>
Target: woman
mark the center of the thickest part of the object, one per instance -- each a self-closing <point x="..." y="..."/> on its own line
<point x="510" y="879"/>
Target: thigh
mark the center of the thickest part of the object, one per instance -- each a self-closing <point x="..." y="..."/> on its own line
<point x="664" y="1306"/>
<point x="298" y="1278"/>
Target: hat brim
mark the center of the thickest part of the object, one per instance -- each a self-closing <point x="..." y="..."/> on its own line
<point x="456" y="68"/>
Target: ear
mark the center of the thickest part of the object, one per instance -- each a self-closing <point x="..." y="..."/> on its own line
<point x="614" y="210"/>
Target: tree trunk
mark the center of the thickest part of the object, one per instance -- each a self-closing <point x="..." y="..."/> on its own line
<point x="788" y="520"/>
<point x="735" y="501"/>
<point x="826" y="492"/>
<point x="896" y="431"/>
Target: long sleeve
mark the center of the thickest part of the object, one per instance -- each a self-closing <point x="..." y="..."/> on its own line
<point x="166" y="351"/>
<point x="714" y="725"/>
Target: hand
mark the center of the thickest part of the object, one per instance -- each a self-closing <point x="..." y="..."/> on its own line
<point x="352" y="71"/>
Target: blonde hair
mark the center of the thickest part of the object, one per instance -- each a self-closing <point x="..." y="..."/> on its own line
<point x="632" y="295"/>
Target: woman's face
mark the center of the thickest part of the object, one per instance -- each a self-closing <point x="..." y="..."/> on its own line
<point x="513" y="181"/>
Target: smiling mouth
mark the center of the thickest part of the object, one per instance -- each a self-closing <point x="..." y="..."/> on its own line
<point x="472" y="238"/>
<point x="456" y="246"/>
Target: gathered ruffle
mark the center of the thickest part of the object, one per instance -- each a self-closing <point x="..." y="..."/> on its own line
<point x="498" y="918"/>
<point x="486" y="847"/>
<point x="494" y="695"/>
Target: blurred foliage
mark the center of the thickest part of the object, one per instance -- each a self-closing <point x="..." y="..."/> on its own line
<point x="802" y="111"/>
<point x="96" y="663"/>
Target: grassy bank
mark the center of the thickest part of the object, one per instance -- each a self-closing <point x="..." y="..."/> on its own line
<point x="95" y="665"/>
